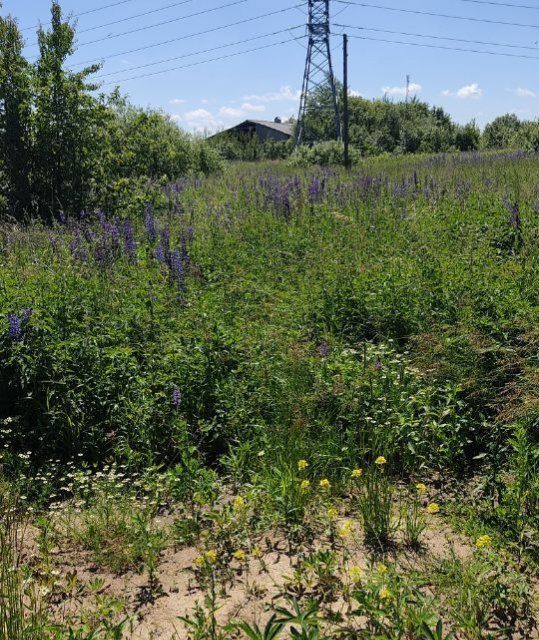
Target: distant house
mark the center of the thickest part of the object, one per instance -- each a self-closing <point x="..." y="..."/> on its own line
<point x="262" y="129"/>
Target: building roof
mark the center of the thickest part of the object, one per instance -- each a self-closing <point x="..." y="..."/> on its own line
<point x="281" y="127"/>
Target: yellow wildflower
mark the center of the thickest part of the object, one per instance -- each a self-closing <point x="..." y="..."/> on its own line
<point x="256" y="552"/>
<point x="483" y="542"/>
<point x="210" y="556"/>
<point x="381" y="568"/>
<point x="325" y="484"/>
<point x="385" y="594"/>
<point x="199" y="561"/>
<point x="305" y="485"/>
<point x="238" y="503"/>
<point x="332" y="513"/>
<point x="357" y="473"/>
<point x="346" y="529"/>
<point x="421" y="488"/>
<point x="302" y="465"/>
<point x="355" y="574"/>
<point x="239" y="555"/>
<point x="380" y="460"/>
<point x="433" y="507"/>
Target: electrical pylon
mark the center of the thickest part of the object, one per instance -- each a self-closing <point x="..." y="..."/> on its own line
<point x="318" y="78"/>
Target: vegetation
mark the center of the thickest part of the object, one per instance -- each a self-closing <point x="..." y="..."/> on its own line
<point x="269" y="400"/>
<point x="64" y="148"/>
<point x="344" y="359"/>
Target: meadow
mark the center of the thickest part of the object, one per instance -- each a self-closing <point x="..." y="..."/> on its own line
<point x="277" y="402"/>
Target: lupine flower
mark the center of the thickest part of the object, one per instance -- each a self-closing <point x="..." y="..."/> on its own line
<point x="176" y="397"/>
<point x="421" y="488"/>
<point x="150" y="224"/>
<point x="325" y="484"/>
<point x="433" y="508"/>
<point x="380" y="461"/>
<point x="159" y="254"/>
<point x="356" y="473"/>
<point x="385" y="593"/>
<point x="381" y="568"/>
<point x="15" y="327"/>
<point x="302" y="465"/>
<point x="129" y="242"/>
<point x="305" y="485"/>
<point x="324" y="349"/>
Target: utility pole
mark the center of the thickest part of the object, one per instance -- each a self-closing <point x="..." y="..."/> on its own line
<point x="407" y="88"/>
<point x="346" y="114"/>
<point x="318" y="78"/>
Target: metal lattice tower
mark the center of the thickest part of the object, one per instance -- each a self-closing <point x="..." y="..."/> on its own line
<point x="318" y="79"/>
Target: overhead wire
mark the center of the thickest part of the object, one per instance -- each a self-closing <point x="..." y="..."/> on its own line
<point x="437" y="15"/>
<point x="194" y="64"/>
<point x="435" y="37"/>
<point x="135" y="16"/>
<point x="85" y="13"/>
<point x="190" y="35"/>
<point x="195" y="53"/>
<point x="437" y="46"/>
<point x="160" y="24"/>
<point x="502" y="4"/>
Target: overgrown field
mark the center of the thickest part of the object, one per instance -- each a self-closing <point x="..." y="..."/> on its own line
<point x="338" y="369"/>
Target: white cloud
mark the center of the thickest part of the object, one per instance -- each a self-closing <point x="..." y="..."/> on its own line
<point x="177" y="101"/>
<point x="284" y="93"/>
<point x="401" y="91"/>
<point x="524" y="93"/>
<point x="468" y="92"/>
<point x="354" y="94"/>
<point x="176" y="118"/>
<point x="205" y="101"/>
<point x="247" y="106"/>
<point x="229" y="112"/>
<point x="200" y="120"/>
<point x="472" y="91"/>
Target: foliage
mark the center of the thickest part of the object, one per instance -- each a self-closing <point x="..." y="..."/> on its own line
<point x="65" y="149"/>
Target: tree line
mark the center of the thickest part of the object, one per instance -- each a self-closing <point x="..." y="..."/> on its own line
<point x="64" y="146"/>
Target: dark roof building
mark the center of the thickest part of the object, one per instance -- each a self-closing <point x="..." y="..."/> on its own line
<point x="262" y="129"/>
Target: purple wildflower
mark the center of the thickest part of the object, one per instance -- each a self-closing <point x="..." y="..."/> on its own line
<point x="159" y="254"/>
<point x="176" y="397"/>
<point x="324" y="349"/>
<point x="15" y="327"/>
<point x="129" y="242"/>
<point x="149" y="223"/>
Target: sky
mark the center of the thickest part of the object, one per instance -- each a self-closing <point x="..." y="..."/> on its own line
<point x="265" y="83"/>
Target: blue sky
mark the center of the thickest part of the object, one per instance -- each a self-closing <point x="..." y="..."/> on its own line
<point x="265" y="83"/>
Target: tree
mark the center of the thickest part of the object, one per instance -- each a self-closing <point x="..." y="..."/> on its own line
<point x="15" y="115"/>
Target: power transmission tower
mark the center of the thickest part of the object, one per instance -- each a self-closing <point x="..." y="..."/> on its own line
<point x="318" y="93"/>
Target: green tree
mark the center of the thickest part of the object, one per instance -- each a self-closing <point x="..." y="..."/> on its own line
<point x="15" y="114"/>
<point x="68" y="123"/>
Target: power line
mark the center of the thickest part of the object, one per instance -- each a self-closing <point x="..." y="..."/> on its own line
<point x="425" y="35"/>
<point x="85" y="13"/>
<point x="438" y="15"/>
<point x="503" y="4"/>
<point x="137" y="15"/>
<point x="190" y="35"/>
<point x="160" y="24"/>
<point x="439" y="46"/>
<point x="195" y="53"/>
<point x="194" y="64"/>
